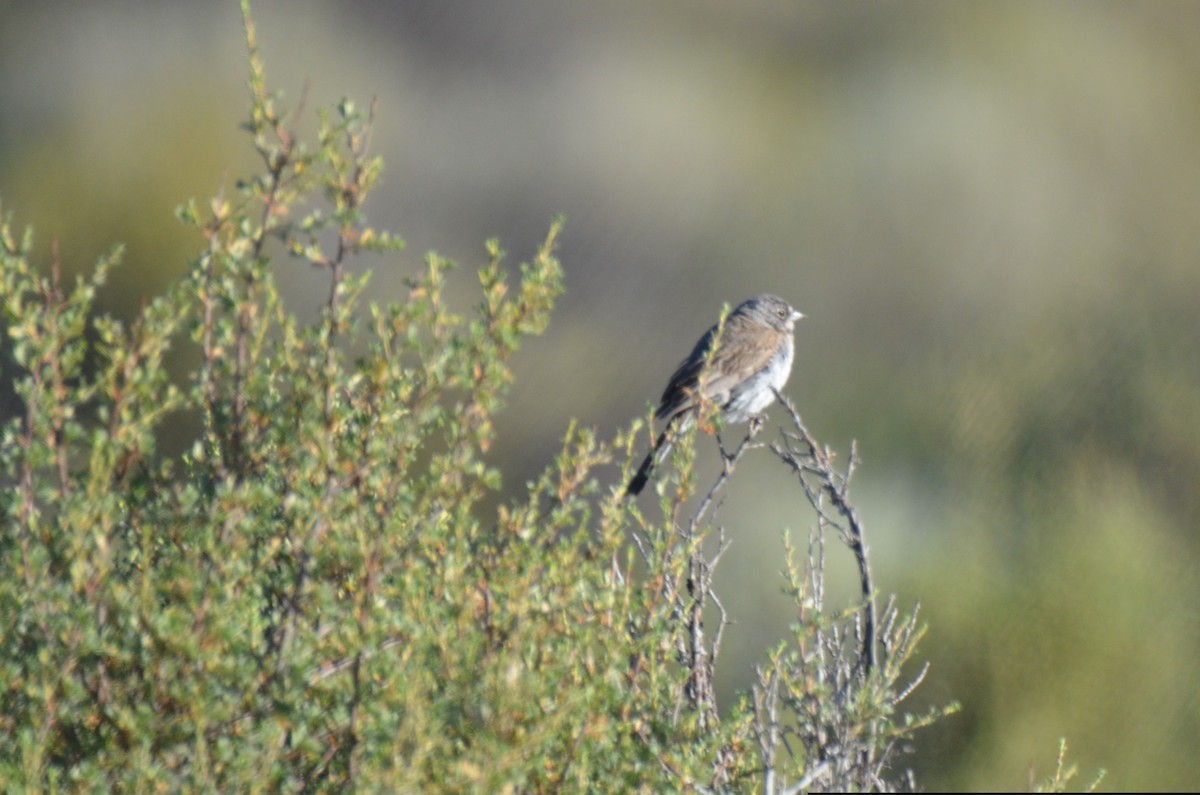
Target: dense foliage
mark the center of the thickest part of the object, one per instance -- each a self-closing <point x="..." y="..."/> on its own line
<point x="313" y="595"/>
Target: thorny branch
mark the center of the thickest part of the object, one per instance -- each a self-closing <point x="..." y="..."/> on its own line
<point x="828" y="699"/>
<point x="820" y="712"/>
<point x="816" y="460"/>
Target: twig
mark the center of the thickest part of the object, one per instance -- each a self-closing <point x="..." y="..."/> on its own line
<point x="817" y="460"/>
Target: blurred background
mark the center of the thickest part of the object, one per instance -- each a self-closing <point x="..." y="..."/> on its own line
<point x="990" y="213"/>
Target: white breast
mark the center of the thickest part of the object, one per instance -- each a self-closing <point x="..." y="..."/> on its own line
<point x="754" y="394"/>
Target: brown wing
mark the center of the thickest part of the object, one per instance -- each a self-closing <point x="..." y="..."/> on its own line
<point x="745" y="348"/>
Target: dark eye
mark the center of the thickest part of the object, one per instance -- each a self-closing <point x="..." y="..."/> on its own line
<point x="781" y="312"/>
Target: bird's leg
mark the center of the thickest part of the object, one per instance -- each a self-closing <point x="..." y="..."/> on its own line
<point x="756" y="423"/>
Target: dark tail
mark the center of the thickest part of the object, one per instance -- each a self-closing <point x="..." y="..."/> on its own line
<point x="661" y="446"/>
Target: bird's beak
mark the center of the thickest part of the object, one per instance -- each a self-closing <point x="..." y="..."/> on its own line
<point x="796" y="315"/>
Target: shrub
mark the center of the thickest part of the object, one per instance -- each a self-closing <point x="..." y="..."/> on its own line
<point x="313" y="597"/>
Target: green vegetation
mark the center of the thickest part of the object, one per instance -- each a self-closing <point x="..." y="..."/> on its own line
<point x="313" y="595"/>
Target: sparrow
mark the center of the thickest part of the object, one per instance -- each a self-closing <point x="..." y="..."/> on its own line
<point x="753" y="358"/>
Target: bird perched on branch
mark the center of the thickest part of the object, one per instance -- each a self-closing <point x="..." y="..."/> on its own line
<point x="753" y="357"/>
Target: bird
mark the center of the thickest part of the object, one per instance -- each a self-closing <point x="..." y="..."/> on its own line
<point x="753" y="359"/>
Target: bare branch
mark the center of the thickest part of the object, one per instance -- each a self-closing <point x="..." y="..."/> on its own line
<point x="817" y="461"/>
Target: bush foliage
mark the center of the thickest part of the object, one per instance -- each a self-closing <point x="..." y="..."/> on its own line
<point x="313" y="596"/>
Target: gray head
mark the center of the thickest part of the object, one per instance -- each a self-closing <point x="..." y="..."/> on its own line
<point x="770" y="310"/>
